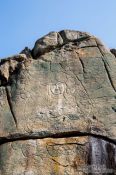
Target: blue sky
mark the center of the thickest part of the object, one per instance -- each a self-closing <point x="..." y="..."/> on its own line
<point x="24" y="21"/>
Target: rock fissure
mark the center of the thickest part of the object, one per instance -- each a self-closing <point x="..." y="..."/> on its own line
<point x="84" y="88"/>
<point x="10" y="105"/>
<point x="82" y="63"/>
<point x="109" y="76"/>
<point x="59" y="163"/>
<point x="44" y="134"/>
<point x="69" y="143"/>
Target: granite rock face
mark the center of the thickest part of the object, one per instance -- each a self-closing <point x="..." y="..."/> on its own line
<point x="58" y="107"/>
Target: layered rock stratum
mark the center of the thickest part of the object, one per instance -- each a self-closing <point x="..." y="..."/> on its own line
<point x="58" y="107"/>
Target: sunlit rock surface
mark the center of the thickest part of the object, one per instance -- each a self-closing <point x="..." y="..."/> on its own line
<point x="58" y="107"/>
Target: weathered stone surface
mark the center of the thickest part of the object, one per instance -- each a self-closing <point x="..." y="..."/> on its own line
<point x="48" y="42"/>
<point x="58" y="156"/>
<point x="61" y="93"/>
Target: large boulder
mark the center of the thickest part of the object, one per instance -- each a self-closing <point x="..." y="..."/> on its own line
<point x="58" y="107"/>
